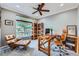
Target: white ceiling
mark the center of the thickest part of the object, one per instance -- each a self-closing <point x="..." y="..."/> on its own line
<point x="27" y="8"/>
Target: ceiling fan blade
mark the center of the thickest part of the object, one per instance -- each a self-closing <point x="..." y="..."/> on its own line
<point x="46" y="10"/>
<point x="34" y="12"/>
<point x="40" y="12"/>
<point x="34" y="8"/>
<point x="42" y="5"/>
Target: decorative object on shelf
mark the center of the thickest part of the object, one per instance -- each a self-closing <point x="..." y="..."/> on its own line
<point x="8" y="22"/>
<point x="72" y="30"/>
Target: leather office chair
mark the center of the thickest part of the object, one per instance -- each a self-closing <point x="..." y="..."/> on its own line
<point x="60" y="41"/>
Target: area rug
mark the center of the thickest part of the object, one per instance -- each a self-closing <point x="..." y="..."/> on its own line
<point x="32" y="50"/>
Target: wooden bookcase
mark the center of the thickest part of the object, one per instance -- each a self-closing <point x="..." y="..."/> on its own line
<point x="37" y="29"/>
<point x="40" y="29"/>
<point x="73" y="43"/>
<point x="78" y="45"/>
<point x="34" y="30"/>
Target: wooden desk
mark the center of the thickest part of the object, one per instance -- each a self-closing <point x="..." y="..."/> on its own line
<point x="47" y="39"/>
<point x="43" y="40"/>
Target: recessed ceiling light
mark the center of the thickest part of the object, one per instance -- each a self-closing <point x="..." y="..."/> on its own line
<point x="62" y="5"/>
<point x="17" y="6"/>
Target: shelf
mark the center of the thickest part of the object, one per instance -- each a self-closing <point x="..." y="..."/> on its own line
<point x="37" y="29"/>
<point x="71" y="44"/>
<point x="34" y="30"/>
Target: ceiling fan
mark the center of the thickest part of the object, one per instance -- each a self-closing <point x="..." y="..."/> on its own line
<point x="40" y="9"/>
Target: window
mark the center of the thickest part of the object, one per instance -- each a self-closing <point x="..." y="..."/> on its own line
<point x="23" y="29"/>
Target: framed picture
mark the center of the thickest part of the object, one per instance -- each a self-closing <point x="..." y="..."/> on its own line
<point x="72" y="30"/>
<point x="8" y="22"/>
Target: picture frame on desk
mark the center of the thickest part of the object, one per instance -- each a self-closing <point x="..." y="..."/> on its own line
<point x="72" y="30"/>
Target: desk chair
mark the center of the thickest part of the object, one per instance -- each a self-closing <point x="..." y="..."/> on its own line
<point x="60" y="42"/>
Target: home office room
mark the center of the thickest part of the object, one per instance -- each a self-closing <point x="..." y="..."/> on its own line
<point x="39" y="29"/>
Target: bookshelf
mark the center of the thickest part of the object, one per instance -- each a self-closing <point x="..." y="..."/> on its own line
<point x="78" y="45"/>
<point x="40" y="29"/>
<point x="37" y="29"/>
<point x="34" y="30"/>
<point x="72" y="43"/>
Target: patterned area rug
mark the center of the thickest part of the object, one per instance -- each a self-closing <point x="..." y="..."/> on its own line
<point x="23" y="52"/>
<point x="32" y="50"/>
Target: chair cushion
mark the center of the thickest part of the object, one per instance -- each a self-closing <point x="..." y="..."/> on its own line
<point x="11" y="41"/>
<point x="8" y="37"/>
